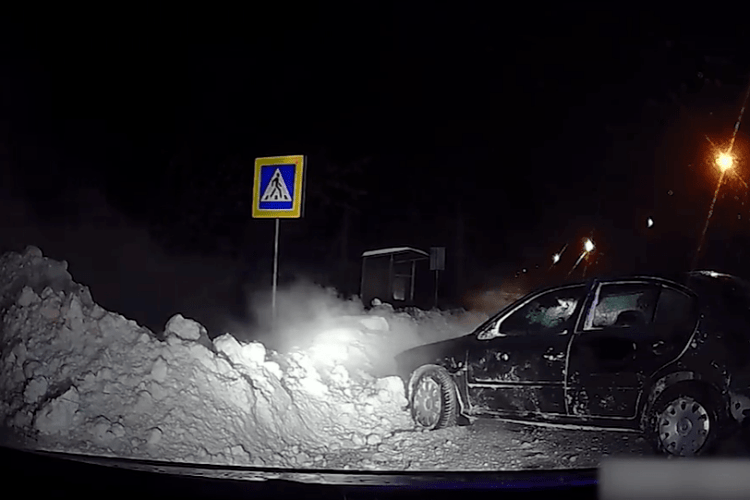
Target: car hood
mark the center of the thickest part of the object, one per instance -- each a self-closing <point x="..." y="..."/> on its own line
<point x="447" y="353"/>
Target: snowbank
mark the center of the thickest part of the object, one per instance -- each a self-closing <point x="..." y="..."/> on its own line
<point x="77" y="378"/>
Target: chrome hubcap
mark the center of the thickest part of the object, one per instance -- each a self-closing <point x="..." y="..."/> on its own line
<point x="427" y="402"/>
<point x="683" y="427"/>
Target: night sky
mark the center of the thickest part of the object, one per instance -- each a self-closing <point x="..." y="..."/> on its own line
<point x="129" y="142"/>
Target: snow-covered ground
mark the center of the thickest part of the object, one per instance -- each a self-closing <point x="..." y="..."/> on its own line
<point x="77" y="378"/>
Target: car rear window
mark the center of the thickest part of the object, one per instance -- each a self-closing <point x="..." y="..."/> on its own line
<point x="674" y="308"/>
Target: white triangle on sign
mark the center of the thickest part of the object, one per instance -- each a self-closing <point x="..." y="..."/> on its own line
<point x="276" y="189"/>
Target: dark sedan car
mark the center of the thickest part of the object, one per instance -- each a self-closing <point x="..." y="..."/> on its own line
<point x="668" y="357"/>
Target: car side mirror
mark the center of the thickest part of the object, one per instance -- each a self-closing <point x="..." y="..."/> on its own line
<point x="485" y="335"/>
<point x="491" y="333"/>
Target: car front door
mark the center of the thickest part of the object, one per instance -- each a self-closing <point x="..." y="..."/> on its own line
<point x="627" y="331"/>
<point x="518" y="366"/>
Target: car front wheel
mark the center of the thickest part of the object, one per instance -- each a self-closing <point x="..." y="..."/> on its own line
<point x="684" y="422"/>
<point x="434" y="403"/>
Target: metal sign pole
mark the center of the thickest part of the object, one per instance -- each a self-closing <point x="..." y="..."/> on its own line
<point x="275" y="272"/>
<point x="437" y="277"/>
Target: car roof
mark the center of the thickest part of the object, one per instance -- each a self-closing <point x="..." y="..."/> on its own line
<point x="681" y="281"/>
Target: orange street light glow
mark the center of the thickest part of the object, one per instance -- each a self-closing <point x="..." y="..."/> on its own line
<point x="724" y="161"/>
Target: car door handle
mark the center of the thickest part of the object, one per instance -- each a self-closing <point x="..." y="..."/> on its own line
<point x="554" y="357"/>
<point x="550" y="355"/>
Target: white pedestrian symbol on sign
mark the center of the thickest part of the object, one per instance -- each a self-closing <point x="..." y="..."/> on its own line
<point x="276" y="189"/>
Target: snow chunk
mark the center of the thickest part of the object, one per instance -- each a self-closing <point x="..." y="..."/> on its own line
<point x="35" y="389"/>
<point x="102" y="430"/>
<point x="154" y="436"/>
<point x="159" y="370"/>
<point x="74" y="315"/>
<point x="32" y="252"/>
<point x="228" y="345"/>
<point x="184" y="328"/>
<point x="374" y="439"/>
<point x="58" y="416"/>
<point x="251" y="354"/>
<point x="28" y="297"/>
<point x="254" y="352"/>
<point x="274" y="368"/>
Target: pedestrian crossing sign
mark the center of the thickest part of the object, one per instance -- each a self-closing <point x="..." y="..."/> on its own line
<point x="278" y="187"/>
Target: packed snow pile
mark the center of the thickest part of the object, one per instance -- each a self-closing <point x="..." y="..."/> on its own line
<point x="75" y="377"/>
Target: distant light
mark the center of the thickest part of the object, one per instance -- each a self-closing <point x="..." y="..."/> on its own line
<point x="556" y="258"/>
<point x="724" y="161"/>
<point x="588" y="245"/>
<point x="524" y="270"/>
<point x="650" y="222"/>
<point x="670" y="192"/>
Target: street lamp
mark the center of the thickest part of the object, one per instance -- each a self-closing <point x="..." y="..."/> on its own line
<point x="724" y="161"/>
<point x="588" y="247"/>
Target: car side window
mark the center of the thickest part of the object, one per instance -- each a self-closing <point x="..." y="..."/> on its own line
<point x="622" y="305"/>
<point x="674" y="308"/>
<point x="545" y="314"/>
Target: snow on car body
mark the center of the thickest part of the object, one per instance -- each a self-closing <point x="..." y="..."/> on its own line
<point x="666" y="357"/>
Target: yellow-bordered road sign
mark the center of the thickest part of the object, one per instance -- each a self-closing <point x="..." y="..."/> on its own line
<point x="278" y="187"/>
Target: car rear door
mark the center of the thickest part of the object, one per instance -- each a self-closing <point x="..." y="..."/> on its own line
<point x="520" y="368"/>
<point x="629" y="330"/>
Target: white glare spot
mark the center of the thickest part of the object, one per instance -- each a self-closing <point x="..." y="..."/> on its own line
<point x="556" y="258"/>
<point x="524" y="270"/>
<point x="650" y="222"/>
<point x="588" y="245"/>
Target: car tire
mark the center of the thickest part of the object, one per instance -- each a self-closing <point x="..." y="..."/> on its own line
<point x="434" y="403"/>
<point x="684" y="421"/>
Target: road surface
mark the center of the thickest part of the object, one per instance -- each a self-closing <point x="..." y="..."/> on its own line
<point x="491" y="445"/>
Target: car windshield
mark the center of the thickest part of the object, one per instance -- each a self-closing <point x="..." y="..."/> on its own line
<point x="376" y="240"/>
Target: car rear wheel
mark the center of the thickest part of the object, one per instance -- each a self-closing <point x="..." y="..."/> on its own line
<point x="434" y="403"/>
<point x="684" y="422"/>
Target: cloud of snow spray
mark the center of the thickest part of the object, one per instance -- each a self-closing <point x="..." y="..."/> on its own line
<point x="336" y="330"/>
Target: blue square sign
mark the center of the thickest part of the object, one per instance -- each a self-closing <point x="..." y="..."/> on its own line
<point x="277" y="190"/>
<point x="276" y="187"/>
